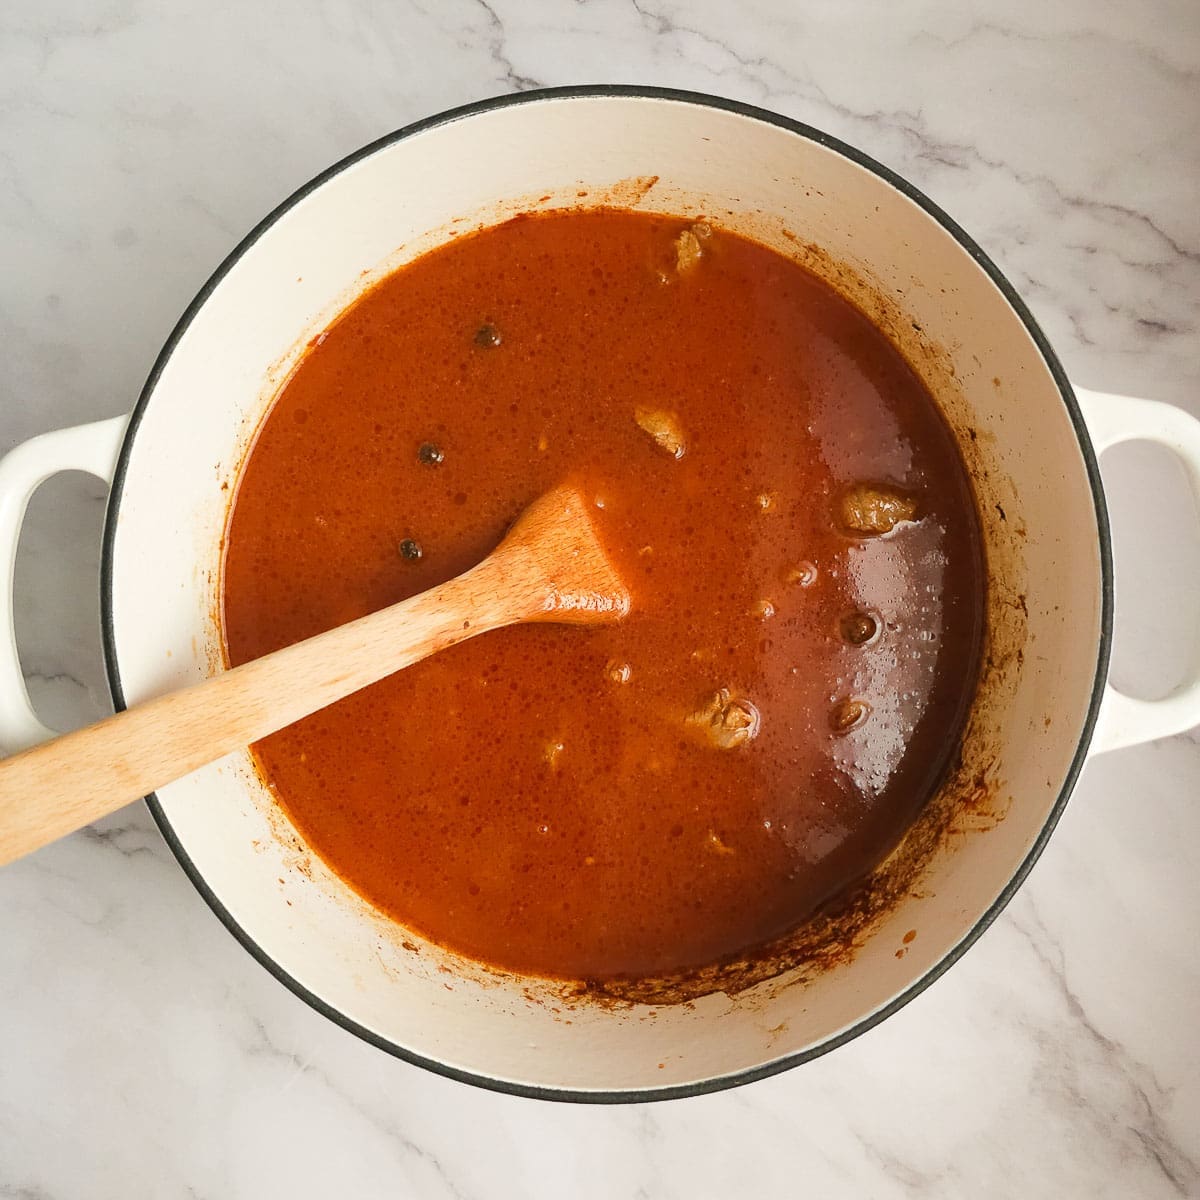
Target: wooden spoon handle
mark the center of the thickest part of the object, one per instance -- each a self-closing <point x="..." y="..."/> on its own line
<point x="56" y="788"/>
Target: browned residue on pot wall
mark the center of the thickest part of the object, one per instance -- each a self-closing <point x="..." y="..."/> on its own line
<point x="625" y="193"/>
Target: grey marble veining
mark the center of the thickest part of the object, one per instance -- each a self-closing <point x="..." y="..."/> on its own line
<point x="143" y="1053"/>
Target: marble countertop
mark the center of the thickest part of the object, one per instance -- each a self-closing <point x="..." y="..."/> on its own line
<point x="142" y="1051"/>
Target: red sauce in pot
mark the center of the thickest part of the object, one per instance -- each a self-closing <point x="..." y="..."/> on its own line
<point x="798" y="534"/>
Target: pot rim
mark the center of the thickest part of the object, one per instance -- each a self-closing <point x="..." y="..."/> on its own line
<point x="753" y="112"/>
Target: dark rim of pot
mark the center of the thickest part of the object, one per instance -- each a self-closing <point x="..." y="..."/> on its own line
<point x="717" y="1083"/>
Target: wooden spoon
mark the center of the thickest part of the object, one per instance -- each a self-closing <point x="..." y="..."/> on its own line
<point x="550" y="567"/>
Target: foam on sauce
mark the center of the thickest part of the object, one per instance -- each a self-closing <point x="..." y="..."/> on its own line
<point x="793" y="678"/>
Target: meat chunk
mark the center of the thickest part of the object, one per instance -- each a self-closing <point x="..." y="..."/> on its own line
<point x="875" y="508"/>
<point x="726" y="721"/>
<point x="663" y="427"/>
<point x="689" y="246"/>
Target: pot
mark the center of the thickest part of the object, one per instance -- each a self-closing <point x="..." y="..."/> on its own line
<point x="1029" y="439"/>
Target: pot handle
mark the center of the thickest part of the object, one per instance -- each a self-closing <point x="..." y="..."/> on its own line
<point x="92" y="448"/>
<point x="1125" y="721"/>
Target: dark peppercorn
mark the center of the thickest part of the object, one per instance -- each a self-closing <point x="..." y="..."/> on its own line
<point x="848" y="715"/>
<point x="487" y="336"/>
<point x="858" y="628"/>
<point x="430" y="454"/>
<point x="410" y="550"/>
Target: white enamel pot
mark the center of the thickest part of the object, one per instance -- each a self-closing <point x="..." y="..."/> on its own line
<point x="1029" y="438"/>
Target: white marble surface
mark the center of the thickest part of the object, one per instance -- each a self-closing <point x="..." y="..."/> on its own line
<point x="143" y="1053"/>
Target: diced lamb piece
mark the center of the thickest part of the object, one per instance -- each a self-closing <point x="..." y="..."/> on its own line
<point x="664" y="428"/>
<point x="874" y="509"/>
<point x="726" y="721"/>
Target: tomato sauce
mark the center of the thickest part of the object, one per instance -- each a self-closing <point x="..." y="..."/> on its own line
<point x="799" y="538"/>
